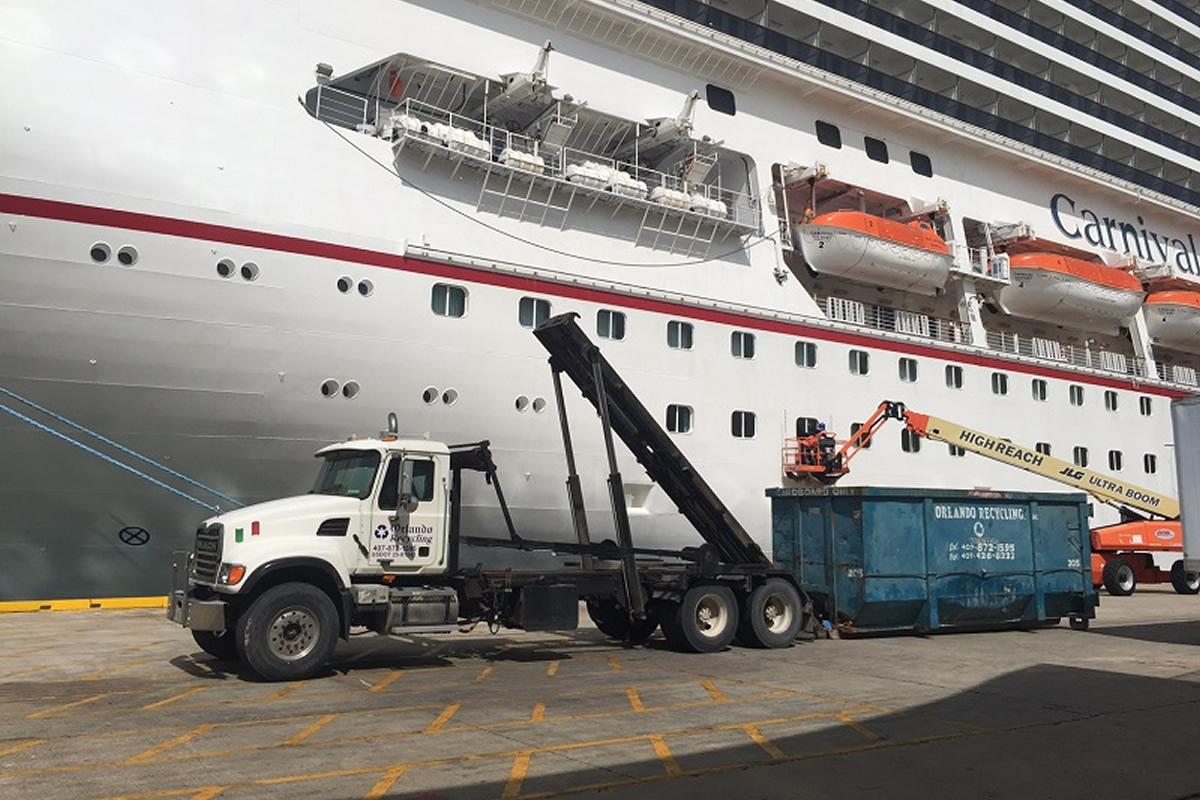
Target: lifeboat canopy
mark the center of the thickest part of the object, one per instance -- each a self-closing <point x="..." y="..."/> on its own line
<point x="1065" y="290"/>
<point x="880" y="252"/>
<point x="1173" y="319"/>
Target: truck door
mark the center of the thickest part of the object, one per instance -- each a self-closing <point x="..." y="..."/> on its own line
<point x="410" y="538"/>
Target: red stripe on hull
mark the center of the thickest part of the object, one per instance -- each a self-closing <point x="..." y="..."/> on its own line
<point x="189" y="229"/>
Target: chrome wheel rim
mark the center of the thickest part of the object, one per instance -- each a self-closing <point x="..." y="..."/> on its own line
<point x="293" y="634"/>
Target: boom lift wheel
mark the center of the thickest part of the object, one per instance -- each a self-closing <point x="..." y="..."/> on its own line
<point x="1119" y="578"/>
<point x="770" y="615"/>
<point x="1184" y="582"/>
<point x="288" y="633"/>
<point x="704" y="621"/>
<point x="221" y="645"/>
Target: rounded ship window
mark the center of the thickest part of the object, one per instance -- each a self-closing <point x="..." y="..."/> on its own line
<point x="128" y="256"/>
<point x="344" y="284"/>
<point x="250" y="271"/>
<point x="330" y="387"/>
<point x="450" y="396"/>
<point x="539" y="404"/>
<point x="225" y="268"/>
<point x="430" y="395"/>
<point x="351" y="389"/>
<point x="522" y="403"/>
<point x="101" y="252"/>
<point x="366" y="288"/>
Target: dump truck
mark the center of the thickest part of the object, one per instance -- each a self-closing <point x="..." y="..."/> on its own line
<point x="1122" y="554"/>
<point x="375" y="545"/>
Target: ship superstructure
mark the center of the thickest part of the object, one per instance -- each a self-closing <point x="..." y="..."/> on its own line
<point x="238" y="231"/>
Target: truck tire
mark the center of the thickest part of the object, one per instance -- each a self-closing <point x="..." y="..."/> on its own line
<point x="614" y="622"/>
<point x="770" y="615"/>
<point x="1119" y="578"/>
<point x="705" y="621"/>
<point x="221" y="645"/>
<point x="288" y="633"/>
<point x="1184" y="582"/>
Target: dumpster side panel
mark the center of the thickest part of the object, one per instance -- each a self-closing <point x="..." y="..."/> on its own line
<point x="921" y="559"/>
<point x="895" y="590"/>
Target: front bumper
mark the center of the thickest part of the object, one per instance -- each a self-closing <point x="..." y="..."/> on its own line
<point x="186" y="608"/>
<point x="192" y="612"/>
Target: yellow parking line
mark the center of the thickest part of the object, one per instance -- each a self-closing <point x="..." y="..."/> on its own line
<point x="384" y="784"/>
<point x="756" y="736"/>
<point x="439" y="723"/>
<point x="516" y="776"/>
<point x="209" y="793"/>
<point x="664" y="755"/>
<point x="483" y="675"/>
<point x="635" y="702"/>
<point x="170" y="700"/>
<point x="291" y="687"/>
<point x="162" y="748"/>
<point x="858" y="726"/>
<point x="538" y="715"/>
<point x="50" y="711"/>
<point x="311" y="729"/>
<point x="714" y="692"/>
<point x="23" y="746"/>
<point x="552" y="670"/>
<point x="387" y="681"/>
<point x="613" y="664"/>
<point x="102" y="675"/>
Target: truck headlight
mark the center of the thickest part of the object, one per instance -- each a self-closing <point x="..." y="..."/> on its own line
<point x="231" y="574"/>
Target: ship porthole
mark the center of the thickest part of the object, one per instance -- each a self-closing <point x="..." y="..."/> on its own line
<point x="225" y="268"/>
<point x="539" y="405"/>
<point x="250" y="271"/>
<point x="522" y="403"/>
<point x="450" y="396"/>
<point x="330" y="387"/>
<point x="101" y="252"/>
<point x="344" y="284"/>
<point x="365" y="288"/>
<point x="430" y="395"/>
<point x="128" y="256"/>
<point x="351" y="389"/>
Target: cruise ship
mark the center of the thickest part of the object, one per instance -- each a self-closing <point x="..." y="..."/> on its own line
<point x="236" y="231"/>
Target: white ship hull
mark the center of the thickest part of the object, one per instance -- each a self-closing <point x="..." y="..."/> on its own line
<point x="184" y="140"/>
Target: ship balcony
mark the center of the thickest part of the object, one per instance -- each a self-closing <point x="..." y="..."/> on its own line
<point x="884" y="318"/>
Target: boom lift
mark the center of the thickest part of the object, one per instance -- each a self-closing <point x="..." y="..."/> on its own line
<point x="1122" y="554"/>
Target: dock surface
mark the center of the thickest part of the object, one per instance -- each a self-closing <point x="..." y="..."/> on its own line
<point x="122" y="704"/>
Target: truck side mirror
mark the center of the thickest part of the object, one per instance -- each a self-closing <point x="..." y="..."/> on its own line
<point x="406" y="501"/>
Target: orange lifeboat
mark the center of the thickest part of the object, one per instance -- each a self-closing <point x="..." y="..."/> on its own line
<point x="1070" y="291"/>
<point x="873" y="250"/>
<point x="1173" y="319"/>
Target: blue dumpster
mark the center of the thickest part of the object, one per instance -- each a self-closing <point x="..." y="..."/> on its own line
<point x="933" y="559"/>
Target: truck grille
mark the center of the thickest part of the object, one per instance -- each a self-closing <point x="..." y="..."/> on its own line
<point x="207" y="553"/>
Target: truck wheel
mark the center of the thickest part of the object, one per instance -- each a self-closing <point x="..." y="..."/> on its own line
<point x="1119" y="578"/>
<point x="221" y="645"/>
<point x="288" y="633"/>
<point x="1184" y="582"/>
<point x="771" y="615"/>
<point x="706" y="620"/>
<point x="614" y="622"/>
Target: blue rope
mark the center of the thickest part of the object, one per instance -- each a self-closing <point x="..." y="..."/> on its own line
<point x="111" y="443"/>
<point x="112" y="460"/>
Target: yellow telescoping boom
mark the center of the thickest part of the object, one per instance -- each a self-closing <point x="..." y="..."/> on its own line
<point x="817" y="457"/>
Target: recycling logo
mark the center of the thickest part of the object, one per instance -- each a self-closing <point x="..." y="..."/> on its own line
<point x="382" y="532"/>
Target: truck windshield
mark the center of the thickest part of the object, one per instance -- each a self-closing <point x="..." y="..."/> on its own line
<point x="347" y="473"/>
